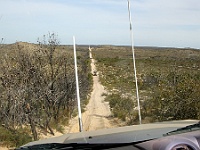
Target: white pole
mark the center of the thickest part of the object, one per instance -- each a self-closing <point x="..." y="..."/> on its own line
<point x="1" y="41"/>
<point x="133" y="51"/>
<point x="77" y="89"/>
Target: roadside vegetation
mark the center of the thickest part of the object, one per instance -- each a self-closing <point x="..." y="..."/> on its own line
<point x="168" y="80"/>
<point x="37" y="88"/>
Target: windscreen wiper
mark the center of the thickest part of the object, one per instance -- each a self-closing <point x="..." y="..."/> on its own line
<point x="78" y="146"/>
<point x="72" y="146"/>
<point x="189" y="128"/>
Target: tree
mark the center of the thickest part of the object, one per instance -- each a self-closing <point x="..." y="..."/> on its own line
<point x="37" y="85"/>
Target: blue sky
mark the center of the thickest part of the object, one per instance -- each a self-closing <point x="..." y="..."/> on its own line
<point x="174" y="23"/>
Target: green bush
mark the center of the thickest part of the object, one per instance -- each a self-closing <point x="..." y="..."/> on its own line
<point x="121" y="107"/>
<point x="14" y="138"/>
<point x="168" y="80"/>
<point x="175" y="97"/>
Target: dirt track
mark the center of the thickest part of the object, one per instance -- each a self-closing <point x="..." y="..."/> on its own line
<point x="97" y="111"/>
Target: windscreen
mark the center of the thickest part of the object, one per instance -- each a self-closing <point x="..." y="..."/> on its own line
<point x="71" y="66"/>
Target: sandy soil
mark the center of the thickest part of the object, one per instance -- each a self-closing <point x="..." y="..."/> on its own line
<point x="97" y="114"/>
<point x="4" y="148"/>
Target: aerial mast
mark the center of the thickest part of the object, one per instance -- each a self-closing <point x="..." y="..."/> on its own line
<point x="77" y="89"/>
<point x="135" y="72"/>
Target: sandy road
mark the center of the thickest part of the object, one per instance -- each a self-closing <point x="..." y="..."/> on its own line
<point x="97" y="111"/>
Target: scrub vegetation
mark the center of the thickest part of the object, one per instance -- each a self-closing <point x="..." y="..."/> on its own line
<point x="168" y="79"/>
<point x="37" y="87"/>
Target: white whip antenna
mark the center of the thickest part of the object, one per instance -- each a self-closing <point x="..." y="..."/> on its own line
<point x="135" y="72"/>
<point x="1" y="41"/>
<point x="77" y="89"/>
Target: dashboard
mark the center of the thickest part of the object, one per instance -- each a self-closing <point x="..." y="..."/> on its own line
<point x="184" y="141"/>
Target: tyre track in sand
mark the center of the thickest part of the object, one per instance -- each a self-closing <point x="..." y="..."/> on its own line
<point x="97" y="114"/>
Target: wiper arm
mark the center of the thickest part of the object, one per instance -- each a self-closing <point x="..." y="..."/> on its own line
<point x="70" y="146"/>
<point x="48" y="146"/>
<point x="189" y="128"/>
